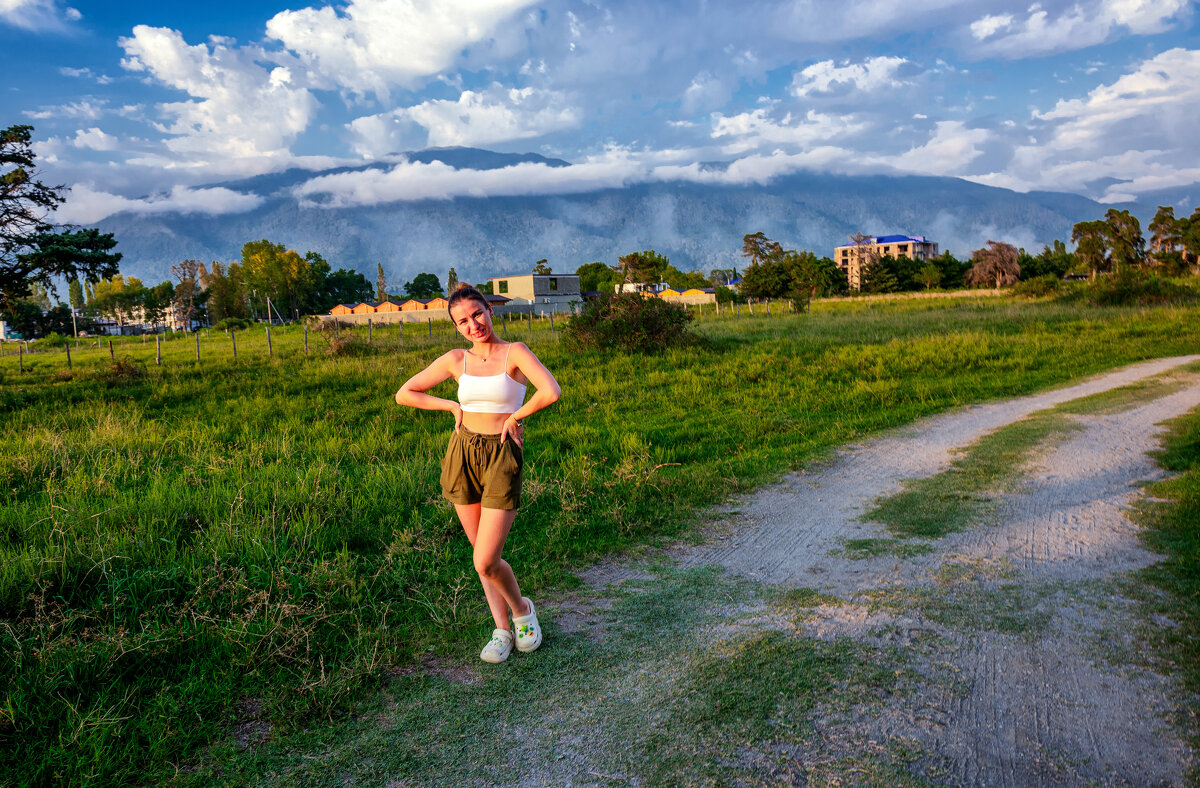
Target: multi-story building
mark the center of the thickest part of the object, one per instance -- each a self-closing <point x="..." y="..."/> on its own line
<point x="545" y="292"/>
<point x="851" y="258"/>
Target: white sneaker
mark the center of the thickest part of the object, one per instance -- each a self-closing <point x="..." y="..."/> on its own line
<point x="498" y="648"/>
<point x="529" y="632"/>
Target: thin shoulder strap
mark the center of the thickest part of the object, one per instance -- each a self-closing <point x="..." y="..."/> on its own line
<point x="465" y="354"/>
<point x="510" y="344"/>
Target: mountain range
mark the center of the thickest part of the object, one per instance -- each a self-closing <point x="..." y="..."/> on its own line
<point x="698" y="226"/>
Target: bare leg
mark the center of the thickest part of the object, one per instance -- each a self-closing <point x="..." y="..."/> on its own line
<point x="499" y="584"/>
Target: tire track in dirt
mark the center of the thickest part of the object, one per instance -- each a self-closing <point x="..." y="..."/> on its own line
<point x="784" y="533"/>
<point x="1042" y="706"/>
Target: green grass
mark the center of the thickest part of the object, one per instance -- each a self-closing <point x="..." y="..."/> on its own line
<point x="1170" y="513"/>
<point x="860" y="549"/>
<point x="175" y="540"/>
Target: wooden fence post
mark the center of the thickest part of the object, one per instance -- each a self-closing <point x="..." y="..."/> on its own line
<point x="551" y="321"/>
<point x="67" y="343"/>
<point x="370" y="331"/>
<point x="197" y="345"/>
<point x="401" y="330"/>
<point x="111" y="355"/>
<point x="158" y="350"/>
<point x="233" y="340"/>
<point x="306" y="339"/>
<point x="21" y="353"/>
<point x="270" y="350"/>
<point x="429" y="320"/>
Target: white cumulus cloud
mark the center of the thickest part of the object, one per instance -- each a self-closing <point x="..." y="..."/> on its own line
<point x="949" y="152"/>
<point x="476" y="118"/>
<point x="874" y="73"/>
<point x="1042" y="32"/>
<point x="752" y="130"/>
<point x="239" y="109"/>
<point x="40" y="15"/>
<point x="94" y="139"/>
<point x="372" y="46"/>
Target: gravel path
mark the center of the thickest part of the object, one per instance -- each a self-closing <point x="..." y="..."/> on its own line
<point x="999" y="709"/>
<point x="786" y="532"/>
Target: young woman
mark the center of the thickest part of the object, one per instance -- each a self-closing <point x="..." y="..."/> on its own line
<point x="481" y="472"/>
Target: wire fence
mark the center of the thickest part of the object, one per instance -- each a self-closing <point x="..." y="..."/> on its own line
<point x="331" y="337"/>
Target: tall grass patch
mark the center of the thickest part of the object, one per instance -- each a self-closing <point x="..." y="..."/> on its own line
<point x="1170" y="511"/>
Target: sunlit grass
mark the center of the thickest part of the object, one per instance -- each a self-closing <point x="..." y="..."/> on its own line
<point x="175" y="539"/>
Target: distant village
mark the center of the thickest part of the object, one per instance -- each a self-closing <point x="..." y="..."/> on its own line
<point x="542" y="294"/>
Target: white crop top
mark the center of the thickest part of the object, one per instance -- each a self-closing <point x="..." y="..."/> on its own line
<point x="490" y="393"/>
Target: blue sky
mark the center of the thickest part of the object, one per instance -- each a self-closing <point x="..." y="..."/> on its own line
<point x="143" y="106"/>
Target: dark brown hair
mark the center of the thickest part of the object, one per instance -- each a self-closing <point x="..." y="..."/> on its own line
<point x="464" y="292"/>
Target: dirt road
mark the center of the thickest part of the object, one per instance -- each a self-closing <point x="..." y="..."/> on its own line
<point x="1050" y="700"/>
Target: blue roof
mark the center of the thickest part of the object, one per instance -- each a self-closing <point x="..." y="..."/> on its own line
<point x="891" y="239"/>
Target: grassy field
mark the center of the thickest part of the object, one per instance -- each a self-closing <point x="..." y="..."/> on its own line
<point x="1170" y="511"/>
<point x="177" y="541"/>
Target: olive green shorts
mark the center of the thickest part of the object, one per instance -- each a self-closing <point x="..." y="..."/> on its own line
<point x="482" y="469"/>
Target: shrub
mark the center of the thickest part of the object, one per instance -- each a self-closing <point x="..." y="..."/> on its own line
<point x="1040" y="286"/>
<point x="122" y="370"/>
<point x="1130" y="289"/>
<point x="629" y="322"/>
<point x="347" y="344"/>
<point x="52" y="341"/>
<point x="237" y="323"/>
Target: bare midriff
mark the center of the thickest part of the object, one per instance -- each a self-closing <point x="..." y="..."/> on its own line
<point x="485" y="423"/>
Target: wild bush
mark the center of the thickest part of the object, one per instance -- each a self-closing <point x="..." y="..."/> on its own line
<point x="1132" y="289"/>
<point x="629" y="322"/>
<point x="1040" y="286"/>
<point x="52" y="341"/>
<point x="236" y="323"/>
<point x="347" y="344"/>
<point x="123" y="370"/>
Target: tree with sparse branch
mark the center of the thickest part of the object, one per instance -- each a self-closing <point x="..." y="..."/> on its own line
<point x="451" y="280"/>
<point x="757" y="247"/>
<point x="381" y="293"/>
<point x="75" y="294"/>
<point x="188" y="292"/>
<point x="540" y="267"/>
<point x="996" y="264"/>
<point x="33" y="250"/>
<point x="866" y="259"/>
